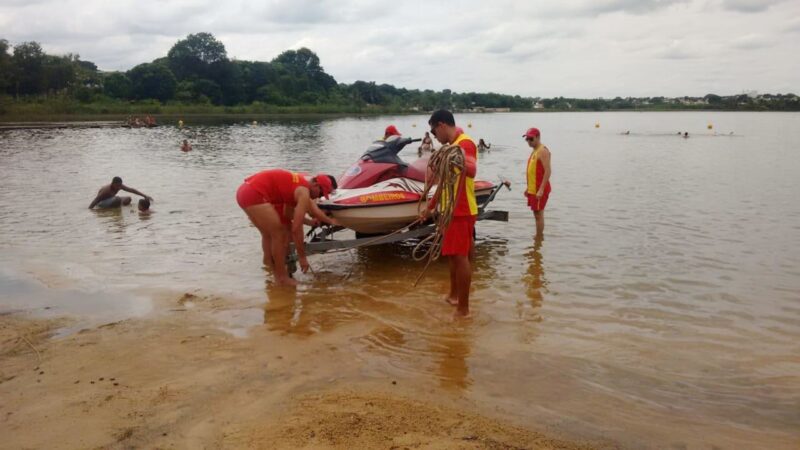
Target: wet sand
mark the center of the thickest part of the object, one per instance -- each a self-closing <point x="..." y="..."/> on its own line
<point x="172" y="379"/>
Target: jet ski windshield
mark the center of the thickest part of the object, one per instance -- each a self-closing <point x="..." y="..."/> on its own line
<point x="386" y="151"/>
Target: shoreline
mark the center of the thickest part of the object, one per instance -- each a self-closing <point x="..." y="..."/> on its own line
<point x="172" y="378"/>
<point x="9" y="121"/>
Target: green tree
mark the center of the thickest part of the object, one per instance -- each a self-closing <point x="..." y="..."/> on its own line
<point x="151" y="80"/>
<point x="29" y="77"/>
<point x="6" y="67"/>
<point x="60" y="72"/>
<point x="117" y="85"/>
<point x="193" y="56"/>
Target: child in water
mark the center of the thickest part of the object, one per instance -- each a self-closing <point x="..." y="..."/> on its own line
<point x="144" y="206"/>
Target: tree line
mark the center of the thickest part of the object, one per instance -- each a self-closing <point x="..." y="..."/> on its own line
<point x="198" y="71"/>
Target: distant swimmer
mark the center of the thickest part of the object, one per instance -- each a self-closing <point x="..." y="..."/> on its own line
<point x="627" y="132"/>
<point x="107" y="195"/>
<point x="685" y="134"/>
<point x="483" y="146"/>
<point x="267" y="196"/>
<point x="186" y="146"/>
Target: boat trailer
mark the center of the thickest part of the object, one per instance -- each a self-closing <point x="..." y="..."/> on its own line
<point x="320" y="240"/>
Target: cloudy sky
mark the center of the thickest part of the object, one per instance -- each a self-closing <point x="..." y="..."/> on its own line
<point x="573" y="48"/>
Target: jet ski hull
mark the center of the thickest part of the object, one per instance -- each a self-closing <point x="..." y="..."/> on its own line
<point x="384" y="207"/>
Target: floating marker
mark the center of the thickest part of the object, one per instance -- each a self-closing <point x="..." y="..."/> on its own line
<point x="469" y="125"/>
<point x="597" y="125"/>
<point x="180" y="124"/>
<point x="710" y="126"/>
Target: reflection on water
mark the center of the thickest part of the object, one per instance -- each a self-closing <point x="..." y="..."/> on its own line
<point x="658" y="299"/>
<point x="453" y="350"/>
<point x="534" y="278"/>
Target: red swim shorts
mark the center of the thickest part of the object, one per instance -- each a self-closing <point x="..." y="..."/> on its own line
<point x="246" y="196"/>
<point x="537" y="205"/>
<point x="458" y="236"/>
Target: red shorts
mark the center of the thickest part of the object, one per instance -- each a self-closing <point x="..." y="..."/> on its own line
<point x="246" y="196"/>
<point x="537" y="205"/>
<point x="458" y="236"/>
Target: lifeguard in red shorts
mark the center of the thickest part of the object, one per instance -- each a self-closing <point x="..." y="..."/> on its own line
<point x="277" y="201"/>
<point x="538" y="176"/>
<point x="457" y="242"/>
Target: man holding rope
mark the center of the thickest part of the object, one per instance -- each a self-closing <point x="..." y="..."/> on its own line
<point x="457" y="241"/>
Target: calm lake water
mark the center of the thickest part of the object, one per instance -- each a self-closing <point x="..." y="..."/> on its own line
<point x="661" y="310"/>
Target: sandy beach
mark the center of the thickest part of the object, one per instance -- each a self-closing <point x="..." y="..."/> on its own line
<point x="172" y="379"/>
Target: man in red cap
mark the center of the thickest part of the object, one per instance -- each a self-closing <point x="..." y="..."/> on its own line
<point x="267" y="196"/>
<point x="391" y="130"/>
<point x="457" y="242"/>
<point x="538" y="176"/>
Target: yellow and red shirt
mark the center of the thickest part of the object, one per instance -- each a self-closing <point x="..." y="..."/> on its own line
<point x="535" y="172"/>
<point x="466" y="204"/>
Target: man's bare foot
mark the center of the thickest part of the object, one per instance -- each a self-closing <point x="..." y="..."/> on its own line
<point x="460" y="314"/>
<point x="285" y="282"/>
<point x="452" y="301"/>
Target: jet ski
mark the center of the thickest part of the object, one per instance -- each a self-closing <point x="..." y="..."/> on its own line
<point x="381" y="193"/>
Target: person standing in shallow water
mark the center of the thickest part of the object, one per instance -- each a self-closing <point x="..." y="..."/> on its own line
<point x="538" y="176"/>
<point x="457" y="241"/>
<point x="427" y="144"/>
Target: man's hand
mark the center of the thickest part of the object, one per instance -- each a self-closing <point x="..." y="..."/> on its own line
<point x="424" y="214"/>
<point x="334" y="222"/>
<point x="304" y="264"/>
<point x="539" y="194"/>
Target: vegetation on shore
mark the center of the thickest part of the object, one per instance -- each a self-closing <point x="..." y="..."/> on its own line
<point x="197" y="77"/>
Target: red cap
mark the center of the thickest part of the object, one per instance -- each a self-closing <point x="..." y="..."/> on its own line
<point x="391" y="130"/>
<point x="532" y="132"/>
<point x="324" y="183"/>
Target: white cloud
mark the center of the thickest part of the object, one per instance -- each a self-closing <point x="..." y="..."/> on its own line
<point x="749" y="6"/>
<point x="584" y="48"/>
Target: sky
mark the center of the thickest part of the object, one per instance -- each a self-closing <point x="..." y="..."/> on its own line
<point x="533" y="48"/>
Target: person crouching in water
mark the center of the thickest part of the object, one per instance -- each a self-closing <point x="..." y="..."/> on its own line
<point x="266" y="195"/>
<point x="107" y="195"/>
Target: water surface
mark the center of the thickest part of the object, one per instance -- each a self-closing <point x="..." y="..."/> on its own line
<point x="662" y="308"/>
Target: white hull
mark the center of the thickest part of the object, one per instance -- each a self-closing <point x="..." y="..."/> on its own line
<point x="368" y="217"/>
<point x="377" y="219"/>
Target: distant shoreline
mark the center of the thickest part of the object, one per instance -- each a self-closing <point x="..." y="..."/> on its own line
<point x="11" y="121"/>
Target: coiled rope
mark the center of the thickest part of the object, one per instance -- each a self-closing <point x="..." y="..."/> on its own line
<point x="445" y="166"/>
